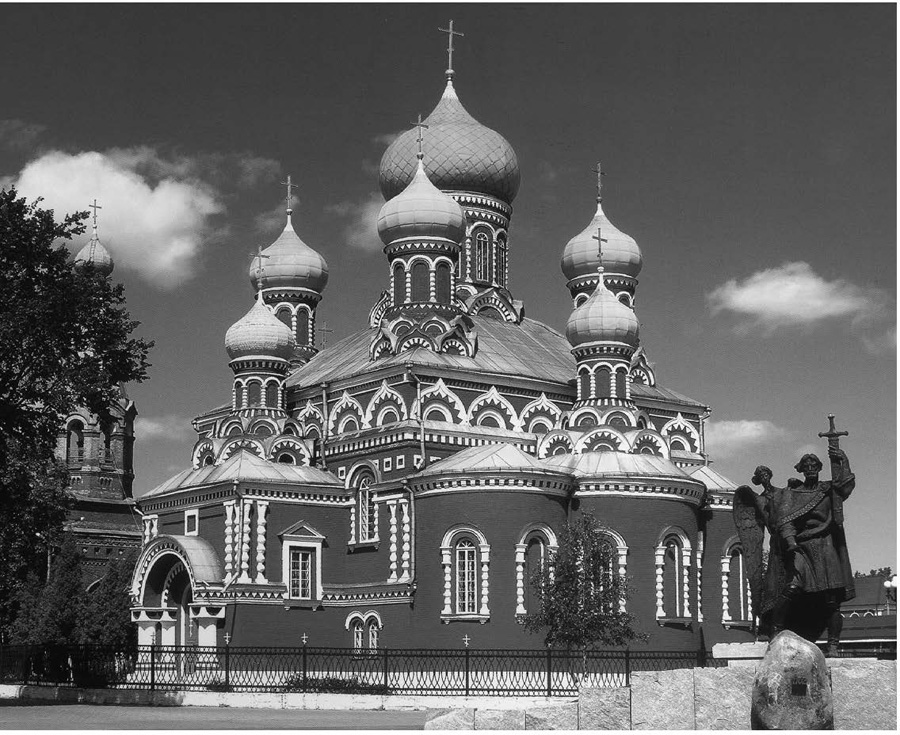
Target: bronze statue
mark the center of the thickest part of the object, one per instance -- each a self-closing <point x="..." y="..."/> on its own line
<point x="808" y="574"/>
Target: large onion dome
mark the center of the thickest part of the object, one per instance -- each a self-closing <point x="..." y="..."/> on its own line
<point x="259" y="333"/>
<point x="97" y="255"/>
<point x="291" y="263"/>
<point x="421" y="210"/>
<point x="463" y="155"/>
<point x="602" y="318"/>
<point x="621" y="254"/>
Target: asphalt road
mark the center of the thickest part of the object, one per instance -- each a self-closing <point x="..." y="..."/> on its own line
<point x="17" y="715"/>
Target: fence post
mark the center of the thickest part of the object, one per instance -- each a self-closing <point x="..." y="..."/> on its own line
<point x="549" y="672"/>
<point x="227" y="664"/>
<point x="628" y="667"/>
<point x="385" y="671"/>
<point x="152" y="666"/>
<point x="467" y="672"/>
<point x="304" y="668"/>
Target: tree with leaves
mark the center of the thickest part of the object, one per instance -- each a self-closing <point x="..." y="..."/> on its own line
<point x="106" y="612"/>
<point x="65" y="341"/>
<point x="580" y="593"/>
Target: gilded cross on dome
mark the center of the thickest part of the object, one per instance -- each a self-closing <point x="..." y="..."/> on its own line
<point x="600" y="174"/>
<point x="450" y="34"/>
<point x="94" y="238"/>
<point x="419" y="125"/>
<point x="289" y="186"/>
<point x="260" y="270"/>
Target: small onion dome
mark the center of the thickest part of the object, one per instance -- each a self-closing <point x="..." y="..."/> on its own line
<point x="259" y="333"/>
<point x="290" y="262"/>
<point x="421" y="210"/>
<point x="602" y="318"/>
<point x="621" y="253"/>
<point x="463" y="155"/>
<point x="99" y="256"/>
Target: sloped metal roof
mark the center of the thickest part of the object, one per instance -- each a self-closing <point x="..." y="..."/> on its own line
<point x="488" y="458"/>
<point x="246" y="467"/>
<point x="617" y="464"/>
<point x="714" y="481"/>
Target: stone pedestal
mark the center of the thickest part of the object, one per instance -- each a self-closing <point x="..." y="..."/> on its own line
<point x="792" y="688"/>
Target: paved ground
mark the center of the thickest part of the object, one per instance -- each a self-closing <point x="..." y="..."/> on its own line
<point x="17" y="715"/>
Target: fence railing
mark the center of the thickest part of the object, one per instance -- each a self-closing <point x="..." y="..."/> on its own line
<point x="464" y="672"/>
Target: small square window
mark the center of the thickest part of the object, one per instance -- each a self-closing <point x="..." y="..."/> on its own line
<point x="375" y="463"/>
<point x="342" y="473"/>
<point x="401" y="461"/>
<point x="388" y="465"/>
<point x="417" y="460"/>
<point x="191" y="522"/>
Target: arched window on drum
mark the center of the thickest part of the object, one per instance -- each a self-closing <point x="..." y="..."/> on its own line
<point x="421" y="286"/>
<point x="482" y="256"/>
<point x="442" y="283"/>
<point x="399" y="284"/>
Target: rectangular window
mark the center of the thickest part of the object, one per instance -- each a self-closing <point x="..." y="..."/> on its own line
<point x="301" y="574"/>
<point x="388" y="465"/>
<point x="401" y="462"/>
<point x="191" y="522"/>
<point x="342" y="471"/>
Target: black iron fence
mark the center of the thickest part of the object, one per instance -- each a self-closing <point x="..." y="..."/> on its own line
<point x="464" y="672"/>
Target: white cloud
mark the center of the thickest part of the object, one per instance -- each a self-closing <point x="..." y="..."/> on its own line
<point x="362" y="217"/>
<point x="385" y="139"/>
<point x="153" y="224"/>
<point x="881" y="344"/>
<point x="274" y="219"/>
<point x="170" y="427"/>
<point x="809" y="449"/>
<point x="793" y="295"/>
<point x="729" y="437"/>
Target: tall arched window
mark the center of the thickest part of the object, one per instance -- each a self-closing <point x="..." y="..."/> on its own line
<point x="482" y="256"/>
<point x="736" y="586"/>
<point x="672" y="602"/>
<point x="254" y="393"/>
<point x="466" y="564"/>
<point x="366" y="518"/>
<point x="601" y="381"/>
<point x="673" y="562"/>
<point x="584" y="385"/>
<point x="358" y="634"/>
<point x="272" y="395"/>
<point x="501" y="261"/>
<point x="442" y="283"/>
<point x="621" y="379"/>
<point x="421" y="288"/>
<point x="75" y="441"/>
<point x="284" y="316"/>
<point x="238" y="395"/>
<point x="536" y="558"/>
<point x="301" y="335"/>
<point x="399" y="284"/>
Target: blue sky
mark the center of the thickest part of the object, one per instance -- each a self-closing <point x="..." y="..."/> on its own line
<point x="750" y="151"/>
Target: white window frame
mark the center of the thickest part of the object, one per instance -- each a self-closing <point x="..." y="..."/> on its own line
<point x="388" y="464"/>
<point x="401" y="462"/>
<point x="313" y="542"/>
<point x="195" y="514"/>
<point x="449" y="563"/>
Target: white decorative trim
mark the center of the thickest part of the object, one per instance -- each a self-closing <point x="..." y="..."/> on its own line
<point x="229" y="538"/>
<point x="345" y="401"/>
<point x="406" y="553"/>
<point x="246" y="505"/>
<point x="392" y="553"/>
<point x="484" y="551"/>
<point x="680" y="424"/>
<point x="440" y="390"/>
<point x="493" y="398"/>
<point x="314" y="541"/>
<point x="521" y="549"/>
<point x="188" y="515"/>
<point x="385" y="392"/>
<point x="262" y="507"/>
<point x="541" y="403"/>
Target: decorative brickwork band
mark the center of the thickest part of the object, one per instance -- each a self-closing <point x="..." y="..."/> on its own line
<point x="262" y="507"/>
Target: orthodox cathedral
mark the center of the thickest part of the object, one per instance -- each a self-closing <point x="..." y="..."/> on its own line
<point x="399" y="488"/>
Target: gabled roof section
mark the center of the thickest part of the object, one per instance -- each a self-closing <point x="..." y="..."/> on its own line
<point x="529" y="350"/>
<point x="713" y="480"/>
<point x="488" y="458"/>
<point x="245" y="466"/>
<point x="301" y="528"/>
<point x="658" y="393"/>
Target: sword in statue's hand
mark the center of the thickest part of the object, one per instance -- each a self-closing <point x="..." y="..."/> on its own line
<point x="833" y="437"/>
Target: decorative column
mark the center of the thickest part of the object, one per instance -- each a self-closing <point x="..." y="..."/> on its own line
<point x="699" y="557"/>
<point x="623" y="561"/>
<point x="262" y="507"/>
<point x="206" y="618"/>
<point x="245" y="541"/>
<point x="485" y="551"/>
<point x="686" y="580"/>
<point x="726" y="572"/>
<point x="446" y="562"/>
<point x="406" y="555"/>
<point x="660" y="565"/>
<point x="229" y="539"/>
<point x="353" y="522"/>
<point x="392" y="509"/>
<point x="520" y="579"/>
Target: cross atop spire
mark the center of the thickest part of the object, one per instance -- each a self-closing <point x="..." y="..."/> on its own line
<point x="95" y="207"/>
<point x="289" y="186"/>
<point x="450" y="34"/>
<point x="600" y="240"/>
<point x="600" y="174"/>
<point x="419" y="125"/>
<point x="260" y="269"/>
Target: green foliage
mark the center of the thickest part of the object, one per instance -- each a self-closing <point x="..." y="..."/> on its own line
<point x="580" y="592"/>
<point x="64" y="342"/>
<point x="106" y="612"/>
<point x="64" y="332"/>
<point x="353" y="685"/>
<point x="884" y="572"/>
<point x="51" y="613"/>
